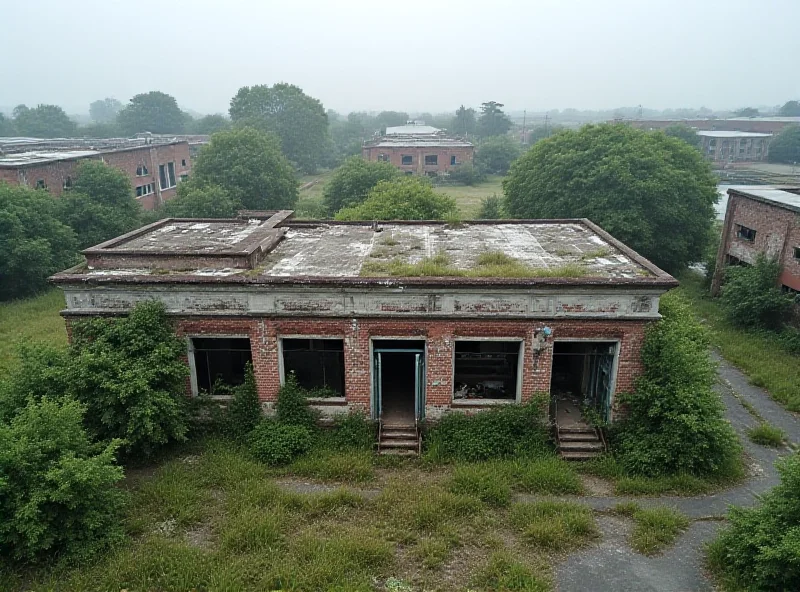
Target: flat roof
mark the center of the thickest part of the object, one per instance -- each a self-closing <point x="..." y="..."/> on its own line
<point x="277" y="249"/>
<point x="422" y="142"/>
<point x="732" y="134"/>
<point x="22" y="152"/>
<point x="411" y="129"/>
<point x="783" y="198"/>
<point x="41" y="156"/>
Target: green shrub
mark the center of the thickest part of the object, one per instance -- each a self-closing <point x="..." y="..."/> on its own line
<point x="752" y="298"/>
<point x="504" y="431"/>
<point x="352" y="431"/>
<point x="504" y="574"/>
<point x="491" y="208"/>
<point x="760" y="549"/>
<point x="466" y="174"/>
<point x="244" y="409"/>
<point x="278" y="443"/>
<point x="291" y="408"/>
<point x="766" y="435"/>
<point x="676" y="422"/>
<point x="57" y="489"/>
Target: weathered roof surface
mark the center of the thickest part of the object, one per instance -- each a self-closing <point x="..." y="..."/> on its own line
<point x="770" y="195"/>
<point x="411" y="130"/>
<point x="22" y="152"/>
<point x="420" y="142"/>
<point x="732" y="134"/>
<point x="41" y="156"/>
<point x="273" y="248"/>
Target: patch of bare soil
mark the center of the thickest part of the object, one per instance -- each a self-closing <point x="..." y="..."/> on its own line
<point x="597" y="486"/>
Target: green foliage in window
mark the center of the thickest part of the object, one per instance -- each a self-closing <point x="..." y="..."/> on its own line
<point x="752" y="298"/>
<point x="244" y="409"/>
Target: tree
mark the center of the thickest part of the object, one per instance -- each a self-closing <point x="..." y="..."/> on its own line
<point x="406" y="198"/>
<point x="683" y="132"/>
<point x="104" y="110"/>
<point x="248" y="163"/>
<point x="785" y="147"/>
<point x="100" y="130"/>
<point x="154" y="112"/>
<point x="348" y="134"/>
<point x="493" y="122"/>
<point x="654" y="193"/>
<point x="496" y="153"/>
<point x="351" y="182"/>
<point x="464" y="123"/>
<point x="100" y="205"/>
<point x="746" y="112"/>
<point x="34" y="242"/>
<point x="386" y="119"/>
<point x="491" y="208"/>
<point x="540" y="132"/>
<point x="44" y="121"/>
<point x="790" y="109"/>
<point x="196" y="200"/>
<point x="298" y="120"/>
<point x="210" y="124"/>
<point x="6" y="126"/>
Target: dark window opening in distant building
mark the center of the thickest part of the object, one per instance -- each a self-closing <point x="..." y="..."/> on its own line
<point x="745" y="233"/>
<point x="431" y="159"/>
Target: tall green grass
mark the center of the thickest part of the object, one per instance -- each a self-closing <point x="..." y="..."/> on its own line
<point x="34" y="320"/>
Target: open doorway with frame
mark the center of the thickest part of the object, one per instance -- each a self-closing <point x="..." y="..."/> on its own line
<point x="582" y="381"/>
<point x="398" y="380"/>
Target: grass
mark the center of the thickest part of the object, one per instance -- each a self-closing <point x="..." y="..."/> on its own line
<point x="503" y="573"/>
<point x="759" y="355"/>
<point x="655" y="528"/>
<point x="554" y="525"/>
<point x="488" y="264"/>
<point x="766" y="434"/>
<point x="468" y="198"/>
<point x="34" y="320"/>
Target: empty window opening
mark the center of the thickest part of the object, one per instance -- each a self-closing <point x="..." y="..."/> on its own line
<point x="431" y="159"/>
<point x="183" y="162"/>
<point x="162" y="176"/>
<point x="220" y="362"/>
<point x="141" y="170"/>
<point x="318" y="365"/>
<point x="745" y="233"/>
<point x="144" y="190"/>
<point x="171" y="173"/>
<point x="453" y="160"/>
<point x="406" y="159"/>
<point x="581" y="380"/>
<point x="184" y="178"/>
<point x="486" y="370"/>
<point x="797" y="252"/>
<point x="68" y="182"/>
<point x="383" y="157"/>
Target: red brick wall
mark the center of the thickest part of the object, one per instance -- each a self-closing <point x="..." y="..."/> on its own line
<point x="777" y="232"/>
<point x="462" y="154"/>
<point x="54" y="174"/>
<point x="440" y="336"/>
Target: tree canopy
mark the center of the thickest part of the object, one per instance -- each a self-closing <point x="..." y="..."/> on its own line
<point x="785" y="147"/>
<point x="407" y="198"/>
<point x="249" y="164"/>
<point x="386" y="119"/>
<point x="6" y="126"/>
<point x="746" y="112"/>
<point x="104" y="110"/>
<point x="43" y="121"/>
<point x="100" y="204"/>
<point x="155" y="112"/>
<point x="464" y="122"/>
<point x="683" y="132"/>
<point x="493" y="122"/>
<point x="210" y="124"/>
<point x="654" y="193"/>
<point x="198" y="200"/>
<point x="297" y="119"/>
<point x="790" y="109"/>
<point x="34" y="242"/>
<point x="351" y="182"/>
<point x="496" y="153"/>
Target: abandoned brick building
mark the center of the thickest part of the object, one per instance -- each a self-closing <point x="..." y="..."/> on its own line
<point x="341" y="306"/>
<point x="154" y="166"/>
<point x="419" y="149"/>
<point x="761" y="220"/>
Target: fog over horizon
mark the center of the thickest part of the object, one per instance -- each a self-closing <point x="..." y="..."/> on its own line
<point x="416" y="56"/>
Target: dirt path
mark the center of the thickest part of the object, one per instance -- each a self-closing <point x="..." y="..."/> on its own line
<point x="613" y="566"/>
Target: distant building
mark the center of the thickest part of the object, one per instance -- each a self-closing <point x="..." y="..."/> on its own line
<point x="153" y="165"/>
<point x="762" y="125"/>
<point x="729" y="146"/>
<point x="761" y="220"/>
<point x="419" y="149"/>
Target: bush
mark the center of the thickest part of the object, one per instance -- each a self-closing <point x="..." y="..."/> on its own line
<point x="291" y="407"/>
<point x="785" y="147"/>
<point x="491" y="208"/>
<point x="57" y="490"/>
<point x="675" y="420"/>
<point x="350" y="184"/>
<point x="244" y="409"/>
<point x="496" y="153"/>
<point x="509" y="430"/>
<point x="766" y="435"/>
<point x="407" y="198"/>
<point x="466" y="174"/>
<point x="352" y="431"/>
<point x="278" y="443"/>
<point x="760" y="549"/>
<point x="751" y="296"/>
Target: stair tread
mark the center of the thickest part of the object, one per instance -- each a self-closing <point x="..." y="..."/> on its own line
<point x="578" y="437"/>
<point x="386" y="434"/>
<point x="580" y="445"/>
<point x="576" y="430"/>
<point x="579" y="455"/>
<point x="399" y="443"/>
<point x="399" y="451"/>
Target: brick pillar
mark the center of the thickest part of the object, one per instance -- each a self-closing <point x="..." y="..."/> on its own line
<point x="357" y="368"/>
<point x="439" y="366"/>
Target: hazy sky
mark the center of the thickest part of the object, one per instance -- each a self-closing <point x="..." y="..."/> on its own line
<point x="405" y="55"/>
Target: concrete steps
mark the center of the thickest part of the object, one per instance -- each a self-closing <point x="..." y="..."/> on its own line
<point x="579" y="443"/>
<point x="399" y="439"/>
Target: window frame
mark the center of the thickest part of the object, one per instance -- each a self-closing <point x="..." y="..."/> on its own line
<point x="797" y="253"/>
<point x="190" y="353"/>
<point x="520" y="378"/>
<point x="435" y="158"/>
<point x="281" y="366"/>
<point x="746" y="235"/>
<point x="403" y="158"/>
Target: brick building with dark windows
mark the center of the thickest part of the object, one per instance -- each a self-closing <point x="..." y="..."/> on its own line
<point x="419" y="149"/>
<point x="318" y="299"/>
<point x="153" y="167"/>
<point x="761" y="220"/>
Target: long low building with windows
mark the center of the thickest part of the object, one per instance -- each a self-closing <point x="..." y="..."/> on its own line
<point x="402" y="320"/>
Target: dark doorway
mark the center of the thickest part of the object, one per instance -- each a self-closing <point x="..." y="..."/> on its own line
<point x="220" y="362"/>
<point x="581" y="380"/>
<point x="399" y="377"/>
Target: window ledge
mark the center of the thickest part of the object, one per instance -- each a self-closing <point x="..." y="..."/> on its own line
<point x="327" y="400"/>
<point x="482" y="402"/>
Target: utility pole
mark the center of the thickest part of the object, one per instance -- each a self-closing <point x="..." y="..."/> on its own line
<point x="546" y="128"/>
<point x="524" y="121"/>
